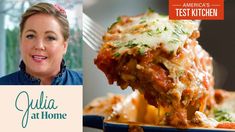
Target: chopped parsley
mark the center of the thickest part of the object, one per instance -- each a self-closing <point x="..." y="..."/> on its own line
<point x="180" y="29"/>
<point x="150" y="32"/>
<point x="158" y="31"/>
<point x="131" y="44"/>
<point x="174" y="41"/>
<point x="142" y="20"/>
<point x="150" y="10"/>
<point x="165" y="29"/>
<point x="180" y="72"/>
<point x="184" y="32"/>
<point x="142" y="50"/>
<point x="112" y="25"/>
<point x="118" y="44"/>
<point x="142" y="47"/>
<point x="119" y="19"/>
<point x="176" y="34"/>
<point x="117" y="54"/>
<point x="223" y="115"/>
<point x="145" y="45"/>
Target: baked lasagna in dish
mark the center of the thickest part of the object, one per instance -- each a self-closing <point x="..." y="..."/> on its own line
<point x="163" y="60"/>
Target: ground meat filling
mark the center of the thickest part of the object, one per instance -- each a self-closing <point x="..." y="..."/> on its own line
<point x="177" y="78"/>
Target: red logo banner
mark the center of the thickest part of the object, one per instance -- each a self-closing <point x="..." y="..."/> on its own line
<point x="196" y="9"/>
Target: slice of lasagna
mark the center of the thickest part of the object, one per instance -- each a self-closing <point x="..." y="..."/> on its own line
<point x="163" y="60"/>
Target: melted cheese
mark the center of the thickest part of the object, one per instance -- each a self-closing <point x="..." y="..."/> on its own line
<point x="151" y="30"/>
<point x="205" y="121"/>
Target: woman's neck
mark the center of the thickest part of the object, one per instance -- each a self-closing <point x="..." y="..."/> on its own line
<point x="45" y="79"/>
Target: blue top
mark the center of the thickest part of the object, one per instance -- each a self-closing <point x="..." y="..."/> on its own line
<point x="64" y="77"/>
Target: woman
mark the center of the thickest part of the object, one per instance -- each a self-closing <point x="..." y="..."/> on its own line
<point x="44" y="33"/>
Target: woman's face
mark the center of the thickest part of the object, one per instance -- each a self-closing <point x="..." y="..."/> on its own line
<point x="42" y="45"/>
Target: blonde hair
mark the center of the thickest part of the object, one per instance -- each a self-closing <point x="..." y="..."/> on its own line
<point x="47" y="8"/>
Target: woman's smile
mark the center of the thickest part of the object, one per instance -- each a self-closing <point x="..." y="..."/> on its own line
<point x="39" y="58"/>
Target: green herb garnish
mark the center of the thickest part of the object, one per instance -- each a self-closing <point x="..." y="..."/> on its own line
<point x="142" y="50"/>
<point x="180" y="72"/>
<point x="158" y="31"/>
<point x="112" y="25"/>
<point x="150" y="32"/>
<point x="184" y="32"/>
<point x="223" y="115"/>
<point x="176" y="34"/>
<point x="142" y="20"/>
<point x="131" y="44"/>
<point x="145" y="45"/>
<point x="119" y="19"/>
<point x="117" y="54"/>
<point x="165" y="29"/>
<point x="173" y="41"/>
<point x="118" y="44"/>
<point x="180" y="29"/>
<point x="150" y="10"/>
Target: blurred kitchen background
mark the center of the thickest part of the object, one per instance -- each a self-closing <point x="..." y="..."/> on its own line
<point x="217" y="37"/>
<point x="10" y="13"/>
